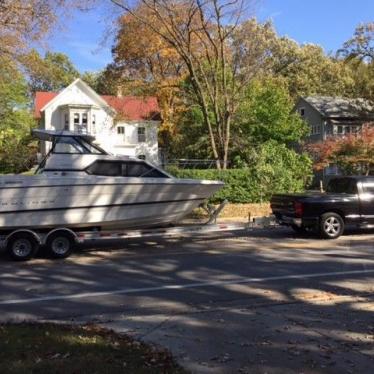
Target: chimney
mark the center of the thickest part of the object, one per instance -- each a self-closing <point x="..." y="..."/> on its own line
<point x="119" y="91"/>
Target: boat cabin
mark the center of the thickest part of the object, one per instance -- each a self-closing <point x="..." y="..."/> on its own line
<point x="73" y="153"/>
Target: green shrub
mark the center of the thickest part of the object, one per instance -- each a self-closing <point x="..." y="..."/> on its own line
<point x="275" y="169"/>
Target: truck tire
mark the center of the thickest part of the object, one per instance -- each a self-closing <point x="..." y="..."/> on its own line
<point x="22" y="246"/>
<point x="60" y="244"/>
<point x="331" y="225"/>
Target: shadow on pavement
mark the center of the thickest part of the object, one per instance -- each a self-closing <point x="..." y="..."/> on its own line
<point x="285" y="325"/>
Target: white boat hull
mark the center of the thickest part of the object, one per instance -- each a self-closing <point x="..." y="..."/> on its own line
<point x="46" y="202"/>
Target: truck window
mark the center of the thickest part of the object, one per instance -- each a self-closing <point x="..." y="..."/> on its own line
<point x="368" y="186"/>
<point x="342" y="185"/>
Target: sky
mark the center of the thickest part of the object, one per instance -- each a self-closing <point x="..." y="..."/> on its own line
<point x="325" y="22"/>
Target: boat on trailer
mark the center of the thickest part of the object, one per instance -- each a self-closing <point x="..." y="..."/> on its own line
<point x="79" y="186"/>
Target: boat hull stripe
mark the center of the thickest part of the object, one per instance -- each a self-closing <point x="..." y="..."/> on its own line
<point x="100" y="206"/>
<point x="108" y="184"/>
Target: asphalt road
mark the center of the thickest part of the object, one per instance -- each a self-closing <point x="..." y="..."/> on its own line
<point x="263" y="301"/>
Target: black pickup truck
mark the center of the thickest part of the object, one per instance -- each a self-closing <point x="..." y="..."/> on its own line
<point x="347" y="201"/>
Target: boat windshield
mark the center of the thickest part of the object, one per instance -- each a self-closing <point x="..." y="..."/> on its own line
<point x="75" y="145"/>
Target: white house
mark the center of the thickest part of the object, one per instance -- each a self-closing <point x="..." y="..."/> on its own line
<point x="122" y="125"/>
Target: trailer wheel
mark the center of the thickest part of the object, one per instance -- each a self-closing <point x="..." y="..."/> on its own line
<point x="60" y="244"/>
<point x="22" y="246"/>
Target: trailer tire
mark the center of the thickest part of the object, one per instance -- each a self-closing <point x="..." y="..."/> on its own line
<point x="22" y="246"/>
<point x="60" y="244"/>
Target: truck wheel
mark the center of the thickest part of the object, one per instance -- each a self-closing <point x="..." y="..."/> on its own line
<point x="22" y="246"/>
<point x="331" y="225"/>
<point x="60" y="244"/>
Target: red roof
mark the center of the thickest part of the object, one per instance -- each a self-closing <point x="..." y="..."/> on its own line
<point x="134" y="108"/>
<point x="130" y="108"/>
<point x="42" y="99"/>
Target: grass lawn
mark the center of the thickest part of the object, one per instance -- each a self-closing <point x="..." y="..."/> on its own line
<point x="49" y="348"/>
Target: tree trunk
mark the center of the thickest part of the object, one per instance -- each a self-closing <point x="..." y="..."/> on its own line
<point x="227" y="141"/>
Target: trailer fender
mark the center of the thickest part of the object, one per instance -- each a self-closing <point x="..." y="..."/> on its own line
<point x="33" y="233"/>
<point x="61" y="229"/>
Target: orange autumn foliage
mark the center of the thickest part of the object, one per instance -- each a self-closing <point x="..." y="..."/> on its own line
<point x="352" y="153"/>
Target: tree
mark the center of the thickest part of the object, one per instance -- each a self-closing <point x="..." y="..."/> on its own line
<point x="190" y="139"/>
<point x="353" y="154"/>
<point x="206" y="36"/>
<point x="307" y="70"/>
<point x="25" y="22"/>
<point x="358" y="54"/>
<point x="52" y="72"/>
<point x="361" y="45"/>
<point x="266" y="114"/>
<point x="101" y="82"/>
<point x="363" y="77"/>
<point x="22" y="22"/>
<point x="145" y="64"/>
<point x="17" y="150"/>
<point x="279" y="169"/>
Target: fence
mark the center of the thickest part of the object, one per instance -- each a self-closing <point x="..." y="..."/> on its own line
<point x="190" y="163"/>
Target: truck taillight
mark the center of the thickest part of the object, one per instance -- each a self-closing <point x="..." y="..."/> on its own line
<point x="299" y="208"/>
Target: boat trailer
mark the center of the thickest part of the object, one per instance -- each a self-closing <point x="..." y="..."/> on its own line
<point x="23" y="244"/>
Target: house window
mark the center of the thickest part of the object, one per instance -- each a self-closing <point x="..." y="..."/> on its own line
<point x="316" y="129"/>
<point x="84" y="119"/>
<point x="93" y="121"/>
<point x="302" y="112"/>
<point x="332" y="169"/>
<point x="66" y="121"/>
<point x="121" y="130"/>
<point x="76" y="119"/>
<point x="142" y="157"/>
<point x="141" y="135"/>
<point x="84" y="123"/>
<point x="81" y="122"/>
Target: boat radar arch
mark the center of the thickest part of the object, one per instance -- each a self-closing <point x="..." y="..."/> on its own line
<point x="51" y="135"/>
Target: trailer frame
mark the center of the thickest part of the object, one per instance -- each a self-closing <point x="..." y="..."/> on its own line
<point x="23" y="243"/>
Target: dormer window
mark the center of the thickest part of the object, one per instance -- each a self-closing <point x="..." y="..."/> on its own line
<point x="76" y="119"/>
<point x="302" y="112"/>
<point x="81" y="122"/>
<point x="84" y="119"/>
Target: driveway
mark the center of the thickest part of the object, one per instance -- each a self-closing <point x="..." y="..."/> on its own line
<point x="262" y="301"/>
